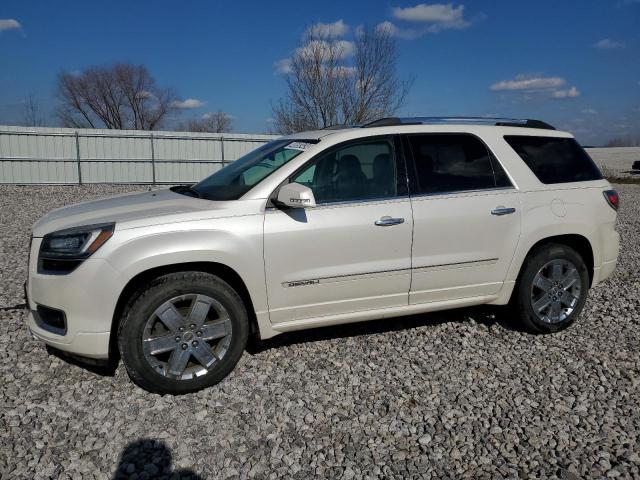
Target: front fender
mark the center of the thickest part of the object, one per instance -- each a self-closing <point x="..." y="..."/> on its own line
<point x="235" y="242"/>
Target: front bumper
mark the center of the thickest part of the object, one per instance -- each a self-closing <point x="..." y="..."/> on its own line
<point x="87" y="296"/>
<point x="92" y="345"/>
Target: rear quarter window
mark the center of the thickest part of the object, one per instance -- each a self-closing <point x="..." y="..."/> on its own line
<point x="554" y="159"/>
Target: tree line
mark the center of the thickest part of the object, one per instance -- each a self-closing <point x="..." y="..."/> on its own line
<point x="328" y="82"/>
<point x="120" y="96"/>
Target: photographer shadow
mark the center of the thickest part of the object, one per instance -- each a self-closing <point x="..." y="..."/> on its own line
<point x="150" y="459"/>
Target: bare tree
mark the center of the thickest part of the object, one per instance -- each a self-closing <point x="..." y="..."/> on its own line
<point x="213" y="122"/>
<point x="336" y="82"/>
<point x="630" y="140"/>
<point x="32" y="115"/>
<point x="120" y="96"/>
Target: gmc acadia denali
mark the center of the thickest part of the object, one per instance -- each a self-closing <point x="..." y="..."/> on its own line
<point x="398" y="217"/>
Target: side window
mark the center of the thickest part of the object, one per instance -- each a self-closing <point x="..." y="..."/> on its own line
<point x="452" y="163"/>
<point x="355" y="172"/>
<point x="555" y="159"/>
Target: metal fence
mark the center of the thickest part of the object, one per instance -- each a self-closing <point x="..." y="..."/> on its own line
<point x="68" y="156"/>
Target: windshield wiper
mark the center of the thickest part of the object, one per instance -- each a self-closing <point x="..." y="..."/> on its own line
<point x="187" y="190"/>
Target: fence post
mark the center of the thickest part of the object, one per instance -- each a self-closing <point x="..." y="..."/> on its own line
<point x="78" y="158"/>
<point x="153" y="160"/>
<point x="222" y="149"/>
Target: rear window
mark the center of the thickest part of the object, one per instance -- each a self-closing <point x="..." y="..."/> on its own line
<point x="555" y="160"/>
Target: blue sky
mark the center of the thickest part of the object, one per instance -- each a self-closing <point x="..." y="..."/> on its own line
<point x="573" y="63"/>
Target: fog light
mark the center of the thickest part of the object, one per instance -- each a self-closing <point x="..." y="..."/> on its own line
<point x="51" y="319"/>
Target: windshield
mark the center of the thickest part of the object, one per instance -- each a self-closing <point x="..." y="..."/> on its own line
<point x="237" y="178"/>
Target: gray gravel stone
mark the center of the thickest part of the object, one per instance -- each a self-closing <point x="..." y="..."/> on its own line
<point x="460" y="394"/>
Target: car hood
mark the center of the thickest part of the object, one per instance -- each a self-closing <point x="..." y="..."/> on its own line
<point x="135" y="210"/>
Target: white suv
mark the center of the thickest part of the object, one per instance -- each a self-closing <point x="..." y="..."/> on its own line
<point x="319" y="228"/>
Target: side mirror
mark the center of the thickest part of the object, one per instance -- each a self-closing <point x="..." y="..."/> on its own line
<point x="295" y="195"/>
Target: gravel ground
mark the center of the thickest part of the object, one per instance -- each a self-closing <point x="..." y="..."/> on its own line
<point x="457" y="394"/>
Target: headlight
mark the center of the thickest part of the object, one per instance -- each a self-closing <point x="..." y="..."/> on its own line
<point x="61" y="252"/>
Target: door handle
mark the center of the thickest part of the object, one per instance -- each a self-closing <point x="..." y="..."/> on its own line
<point x="502" y="210"/>
<point x="387" y="221"/>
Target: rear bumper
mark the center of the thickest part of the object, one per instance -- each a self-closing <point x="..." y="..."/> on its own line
<point x="603" y="272"/>
<point x="610" y="254"/>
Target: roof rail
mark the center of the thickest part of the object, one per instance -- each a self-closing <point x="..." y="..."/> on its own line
<point x="337" y="126"/>
<point x="498" y="121"/>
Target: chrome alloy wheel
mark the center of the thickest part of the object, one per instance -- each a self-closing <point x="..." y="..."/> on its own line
<point x="186" y="336"/>
<point x="556" y="290"/>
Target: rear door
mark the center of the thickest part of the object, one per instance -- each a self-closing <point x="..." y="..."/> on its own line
<point x="466" y="218"/>
<point x="350" y="253"/>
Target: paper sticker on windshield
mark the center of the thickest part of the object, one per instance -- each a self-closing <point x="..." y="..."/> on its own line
<point x="299" y="145"/>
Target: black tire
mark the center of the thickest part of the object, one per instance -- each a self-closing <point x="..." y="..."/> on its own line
<point x="142" y="307"/>
<point x="521" y="300"/>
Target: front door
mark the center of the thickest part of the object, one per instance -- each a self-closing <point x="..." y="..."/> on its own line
<point x="350" y="253"/>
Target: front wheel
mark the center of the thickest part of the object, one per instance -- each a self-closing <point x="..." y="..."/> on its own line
<point x="183" y="332"/>
<point x="552" y="289"/>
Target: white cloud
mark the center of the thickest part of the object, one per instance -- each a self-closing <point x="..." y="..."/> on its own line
<point x="321" y="49"/>
<point x="531" y="86"/>
<point x="589" y="111"/>
<point x="9" y="24"/>
<point x="406" y="33"/>
<point x="608" y="44"/>
<point x="346" y="48"/>
<point x="209" y="115"/>
<point x="343" y="71"/>
<point x="524" y="82"/>
<point x="144" y="94"/>
<point x="438" y="16"/>
<point x="187" y="104"/>
<point x="340" y="48"/>
<point x="283" y="66"/>
<point x="388" y="27"/>
<point x="570" y="93"/>
<point x="329" y="30"/>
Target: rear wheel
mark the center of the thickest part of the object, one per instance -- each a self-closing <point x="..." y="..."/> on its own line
<point x="183" y="332"/>
<point x="552" y="288"/>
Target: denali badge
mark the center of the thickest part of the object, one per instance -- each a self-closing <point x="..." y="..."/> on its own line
<point x="301" y="283"/>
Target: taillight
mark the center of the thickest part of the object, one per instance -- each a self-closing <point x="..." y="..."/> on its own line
<point x="612" y="198"/>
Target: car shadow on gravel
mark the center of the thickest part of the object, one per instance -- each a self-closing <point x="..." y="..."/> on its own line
<point x="20" y="306"/>
<point x="148" y="458"/>
<point x="106" y="368"/>
<point x="485" y="315"/>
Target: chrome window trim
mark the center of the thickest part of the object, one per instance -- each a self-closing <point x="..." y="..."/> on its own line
<point x="381" y="200"/>
<point x="395" y="199"/>
<point x="463" y="192"/>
